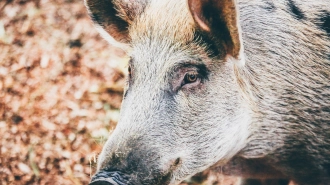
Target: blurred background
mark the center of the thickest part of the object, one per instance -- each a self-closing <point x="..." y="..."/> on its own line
<point x="60" y="92"/>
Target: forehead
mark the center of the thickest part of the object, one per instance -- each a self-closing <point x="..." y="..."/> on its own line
<point x="162" y="36"/>
<point x="163" y="23"/>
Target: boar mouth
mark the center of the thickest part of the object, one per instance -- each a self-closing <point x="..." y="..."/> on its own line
<point x="109" y="178"/>
<point x="104" y="177"/>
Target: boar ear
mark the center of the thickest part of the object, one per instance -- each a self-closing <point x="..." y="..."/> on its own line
<point x="109" y="22"/>
<point x="220" y="19"/>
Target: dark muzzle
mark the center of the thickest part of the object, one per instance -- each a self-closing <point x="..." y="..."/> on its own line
<point x="109" y="178"/>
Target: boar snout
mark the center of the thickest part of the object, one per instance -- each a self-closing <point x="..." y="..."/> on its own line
<point x="104" y="177"/>
<point x="132" y="165"/>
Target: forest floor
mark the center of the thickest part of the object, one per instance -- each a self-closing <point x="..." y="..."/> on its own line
<point x="60" y="91"/>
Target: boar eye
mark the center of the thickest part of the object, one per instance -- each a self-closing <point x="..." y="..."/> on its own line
<point x="190" y="78"/>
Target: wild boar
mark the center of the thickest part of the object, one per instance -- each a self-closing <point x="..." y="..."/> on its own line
<point x="239" y="87"/>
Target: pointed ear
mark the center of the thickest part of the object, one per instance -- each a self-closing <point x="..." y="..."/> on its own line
<point x="220" y="19"/>
<point x="109" y="22"/>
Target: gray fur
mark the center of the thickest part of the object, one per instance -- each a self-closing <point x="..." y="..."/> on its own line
<point x="267" y="119"/>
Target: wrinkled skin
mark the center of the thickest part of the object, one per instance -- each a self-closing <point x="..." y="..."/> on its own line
<point x="190" y="103"/>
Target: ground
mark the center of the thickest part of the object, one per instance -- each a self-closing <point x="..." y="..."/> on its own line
<point x="61" y="87"/>
<point x="60" y="92"/>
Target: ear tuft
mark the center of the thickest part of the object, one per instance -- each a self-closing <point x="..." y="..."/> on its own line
<point x="220" y="19"/>
<point x="105" y="15"/>
<point x="196" y="9"/>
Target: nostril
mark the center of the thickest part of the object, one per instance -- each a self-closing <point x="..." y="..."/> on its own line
<point x="109" y="178"/>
